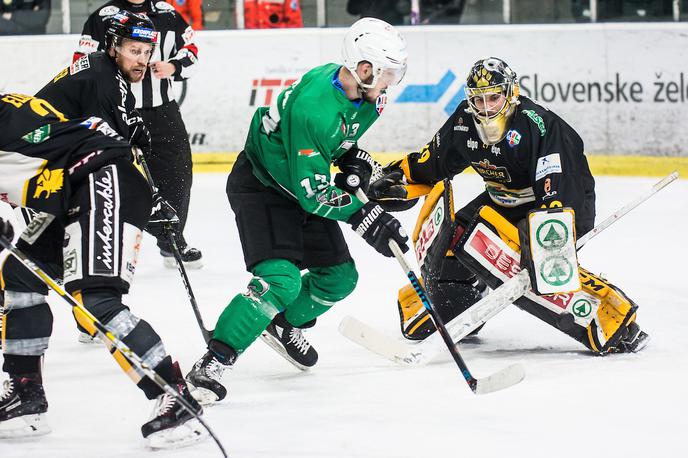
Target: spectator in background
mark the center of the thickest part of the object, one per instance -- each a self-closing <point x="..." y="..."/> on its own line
<point x="391" y="11"/>
<point x="24" y="17"/>
<point x="191" y="11"/>
<point x="272" y="14"/>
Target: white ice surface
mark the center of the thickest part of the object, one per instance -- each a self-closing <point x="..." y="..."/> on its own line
<point x="355" y="404"/>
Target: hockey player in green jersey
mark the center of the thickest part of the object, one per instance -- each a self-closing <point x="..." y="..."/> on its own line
<point x="287" y="211"/>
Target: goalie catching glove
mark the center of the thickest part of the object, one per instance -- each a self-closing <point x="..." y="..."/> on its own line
<point x="393" y="190"/>
<point x="377" y="227"/>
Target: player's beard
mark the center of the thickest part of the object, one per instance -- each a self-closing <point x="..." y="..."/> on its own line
<point x="135" y="74"/>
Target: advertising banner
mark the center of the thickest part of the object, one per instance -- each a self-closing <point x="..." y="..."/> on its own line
<point x="623" y="87"/>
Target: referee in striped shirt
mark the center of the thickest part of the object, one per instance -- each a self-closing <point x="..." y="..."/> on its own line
<point x="174" y="59"/>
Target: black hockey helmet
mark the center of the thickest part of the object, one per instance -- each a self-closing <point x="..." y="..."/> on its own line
<point x="130" y="26"/>
<point x="487" y="78"/>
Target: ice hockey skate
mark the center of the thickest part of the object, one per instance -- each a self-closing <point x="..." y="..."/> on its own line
<point x="22" y="407"/>
<point x="634" y="340"/>
<point x="191" y="257"/>
<point x="171" y="425"/>
<point x="290" y="342"/>
<point x="205" y="377"/>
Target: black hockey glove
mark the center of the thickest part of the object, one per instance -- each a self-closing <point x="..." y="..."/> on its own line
<point x="356" y="169"/>
<point x="163" y="218"/>
<point x="390" y="190"/>
<point x="140" y="135"/>
<point x="377" y="227"/>
<point x="6" y="231"/>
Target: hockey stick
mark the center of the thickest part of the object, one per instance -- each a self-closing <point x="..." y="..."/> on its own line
<point x="105" y="334"/>
<point x="480" y="312"/>
<point x="169" y="232"/>
<point x="505" y="378"/>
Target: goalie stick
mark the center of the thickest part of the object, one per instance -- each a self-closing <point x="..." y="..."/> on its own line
<point x="412" y="354"/>
<point x="500" y="380"/>
<point x="106" y="335"/>
<point x="169" y="232"/>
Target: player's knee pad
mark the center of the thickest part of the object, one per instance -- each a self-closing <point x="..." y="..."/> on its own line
<point x="597" y="315"/>
<point x="108" y="212"/>
<point x="276" y="281"/>
<point x="27" y="324"/>
<point x="332" y="284"/>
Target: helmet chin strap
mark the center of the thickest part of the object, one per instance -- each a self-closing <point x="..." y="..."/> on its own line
<point x="363" y="87"/>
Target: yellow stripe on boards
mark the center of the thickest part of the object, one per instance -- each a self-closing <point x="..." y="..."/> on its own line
<point x="650" y="166"/>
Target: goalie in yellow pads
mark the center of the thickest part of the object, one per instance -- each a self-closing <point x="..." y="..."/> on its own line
<point x="539" y="195"/>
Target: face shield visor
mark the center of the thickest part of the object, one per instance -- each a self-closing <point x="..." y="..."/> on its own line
<point x="492" y="108"/>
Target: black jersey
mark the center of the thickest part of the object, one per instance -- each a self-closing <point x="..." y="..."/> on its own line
<point x="175" y="45"/>
<point x="539" y="161"/>
<point x="92" y="86"/>
<point x="41" y="151"/>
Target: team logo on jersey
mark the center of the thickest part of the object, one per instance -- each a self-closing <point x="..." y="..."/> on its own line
<point x="513" y="138"/>
<point x="491" y="171"/>
<point x="49" y="182"/>
<point x="308" y="152"/>
<point x="460" y="125"/>
<point x="336" y="198"/>
<point x="38" y="136"/>
<point x="380" y="103"/>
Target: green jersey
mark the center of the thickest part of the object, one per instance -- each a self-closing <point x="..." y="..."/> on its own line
<point x="293" y="143"/>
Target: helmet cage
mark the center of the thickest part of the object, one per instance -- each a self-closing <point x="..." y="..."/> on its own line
<point x="492" y="121"/>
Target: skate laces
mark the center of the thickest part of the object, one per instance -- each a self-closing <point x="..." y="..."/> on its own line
<point x="297" y="338"/>
<point x="162" y="405"/>
<point x="8" y="389"/>
<point x="215" y="369"/>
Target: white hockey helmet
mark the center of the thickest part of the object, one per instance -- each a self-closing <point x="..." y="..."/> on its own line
<point x="375" y="41"/>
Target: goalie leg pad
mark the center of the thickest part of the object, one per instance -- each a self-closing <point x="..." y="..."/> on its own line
<point x="598" y="315"/>
<point x="451" y="287"/>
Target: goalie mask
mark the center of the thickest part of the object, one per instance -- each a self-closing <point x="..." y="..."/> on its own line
<point x="492" y="95"/>
<point x="375" y="41"/>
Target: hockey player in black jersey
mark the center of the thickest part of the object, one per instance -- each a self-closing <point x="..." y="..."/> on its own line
<point x="99" y="84"/>
<point x="92" y="204"/>
<point x="531" y="161"/>
<point x="174" y="59"/>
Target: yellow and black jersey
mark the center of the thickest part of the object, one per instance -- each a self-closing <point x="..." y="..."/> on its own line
<point x="539" y="162"/>
<point x="92" y="86"/>
<point x="41" y="151"/>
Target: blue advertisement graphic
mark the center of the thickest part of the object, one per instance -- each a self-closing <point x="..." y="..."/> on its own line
<point x="432" y="93"/>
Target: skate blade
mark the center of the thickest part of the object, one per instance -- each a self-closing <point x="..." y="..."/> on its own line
<point x="277" y="346"/>
<point x="204" y="396"/>
<point x="183" y="435"/>
<point x="25" y="426"/>
<point x="170" y="263"/>
<point x="87" y="339"/>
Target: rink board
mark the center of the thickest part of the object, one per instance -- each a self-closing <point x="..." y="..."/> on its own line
<point x="624" y="87"/>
